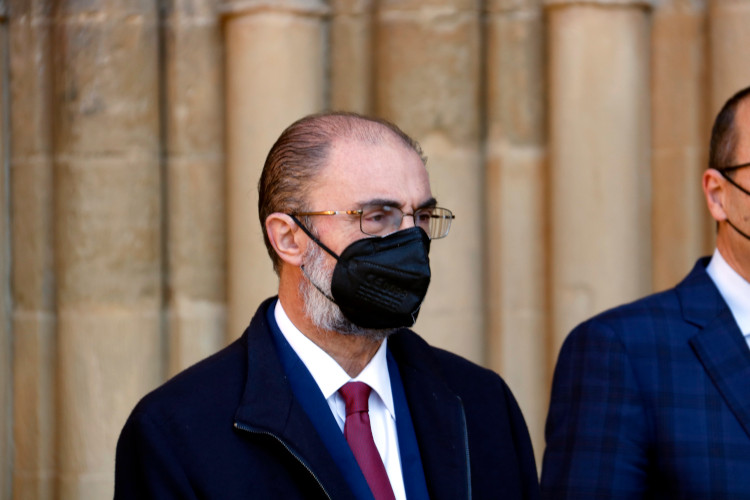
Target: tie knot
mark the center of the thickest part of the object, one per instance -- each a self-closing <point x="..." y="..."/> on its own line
<point x="355" y="396"/>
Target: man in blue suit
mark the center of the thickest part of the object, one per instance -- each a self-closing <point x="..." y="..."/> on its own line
<point x="328" y="394"/>
<point x="652" y="399"/>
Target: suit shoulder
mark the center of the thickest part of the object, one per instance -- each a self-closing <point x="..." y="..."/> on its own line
<point x="458" y="373"/>
<point x="642" y="317"/>
<point x="661" y="321"/>
<point x="695" y="294"/>
<point x="457" y="366"/>
<point x="661" y="302"/>
<point x="215" y="381"/>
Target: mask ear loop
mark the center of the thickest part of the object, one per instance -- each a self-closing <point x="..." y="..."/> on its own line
<point x="737" y="229"/>
<point x="321" y="245"/>
<point x="316" y="240"/>
<point x="734" y="183"/>
<point x="316" y="285"/>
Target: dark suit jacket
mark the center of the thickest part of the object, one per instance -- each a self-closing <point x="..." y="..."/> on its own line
<point x="652" y="400"/>
<point x="230" y="427"/>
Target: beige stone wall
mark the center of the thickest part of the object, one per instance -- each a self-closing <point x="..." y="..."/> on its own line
<point x="515" y="203"/>
<point x="195" y="208"/>
<point x="32" y="241"/>
<point x="599" y="183"/>
<point x="567" y="136"/>
<point x="275" y="69"/>
<point x="6" y="366"/>
<point x="679" y="148"/>
<point x="108" y="230"/>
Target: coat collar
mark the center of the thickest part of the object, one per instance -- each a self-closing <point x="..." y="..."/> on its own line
<point x="268" y="406"/>
<point x="719" y="344"/>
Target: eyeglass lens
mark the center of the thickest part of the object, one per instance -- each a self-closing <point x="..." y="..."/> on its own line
<point x="381" y="220"/>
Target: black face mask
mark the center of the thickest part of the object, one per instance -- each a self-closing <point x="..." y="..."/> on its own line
<point x="380" y="282"/>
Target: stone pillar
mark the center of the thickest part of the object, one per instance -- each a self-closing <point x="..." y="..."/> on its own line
<point x="679" y="139"/>
<point x="6" y="372"/>
<point x="599" y="157"/>
<point x="729" y="41"/>
<point x="729" y="44"/>
<point x="275" y="62"/>
<point x="428" y="65"/>
<point x="351" y="55"/>
<point x="515" y="205"/>
<point x="196" y="216"/>
<point x="108" y="237"/>
<point x="33" y="284"/>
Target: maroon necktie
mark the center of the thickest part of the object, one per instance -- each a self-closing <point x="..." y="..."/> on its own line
<point x="358" y="434"/>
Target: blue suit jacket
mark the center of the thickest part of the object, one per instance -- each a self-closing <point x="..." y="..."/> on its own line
<point x="231" y="427"/>
<point x="652" y="400"/>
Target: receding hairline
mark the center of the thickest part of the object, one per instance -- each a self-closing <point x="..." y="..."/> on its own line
<point x="352" y="127"/>
<point x="358" y="135"/>
<point x="377" y="137"/>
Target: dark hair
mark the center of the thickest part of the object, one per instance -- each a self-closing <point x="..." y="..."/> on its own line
<point x="724" y="133"/>
<point x="301" y="151"/>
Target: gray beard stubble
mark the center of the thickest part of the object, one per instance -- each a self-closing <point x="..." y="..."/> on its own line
<point x="322" y="311"/>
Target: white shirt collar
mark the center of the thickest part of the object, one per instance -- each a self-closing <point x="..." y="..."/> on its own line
<point x="327" y="373"/>
<point x="734" y="290"/>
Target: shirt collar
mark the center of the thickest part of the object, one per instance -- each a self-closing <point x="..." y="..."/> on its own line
<point x="327" y="373"/>
<point x="733" y="289"/>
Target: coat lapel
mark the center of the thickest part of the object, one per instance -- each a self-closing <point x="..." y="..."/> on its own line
<point x="269" y="407"/>
<point x="438" y="417"/>
<point x="723" y="352"/>
<point x="720" y="345"/>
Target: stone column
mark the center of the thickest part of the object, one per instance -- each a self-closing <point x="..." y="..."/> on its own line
<point x="729" y="44"/>
<point x="679" y="139"/>
<point x="34" y="343"/>
<point x="599" y="156"/>
<point x="428" y="64"/>
<point x="275" y="70"/>
<point x="729" y="72"/>
<point x="196" y="216"/>
<point x="729" y="41"/>
<point x="515" y="205"/>
<point x="108" y="237"/>
<point x="351" y="55"/>
<point x="6" y="372"/>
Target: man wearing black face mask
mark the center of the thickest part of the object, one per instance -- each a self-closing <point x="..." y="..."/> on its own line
<point x="652" y="399"/>
<point x="328" y="394"/>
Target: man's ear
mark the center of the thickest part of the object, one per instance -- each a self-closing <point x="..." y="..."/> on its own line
<point x="714" y="188"/>
<point x="284" y="235"/>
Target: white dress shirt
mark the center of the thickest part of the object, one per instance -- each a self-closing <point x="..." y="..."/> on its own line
<point x="330" y="377"/>
<point x="734" y="289"/>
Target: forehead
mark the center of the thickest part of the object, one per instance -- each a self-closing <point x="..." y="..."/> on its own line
<point x="358" y="172"/>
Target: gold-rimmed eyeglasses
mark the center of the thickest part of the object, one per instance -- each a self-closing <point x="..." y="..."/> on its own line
<point x="382" y="220"/>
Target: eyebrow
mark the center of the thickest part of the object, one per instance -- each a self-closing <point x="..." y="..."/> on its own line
<point x="431" y="202"/>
